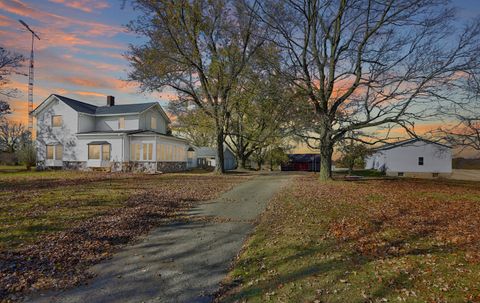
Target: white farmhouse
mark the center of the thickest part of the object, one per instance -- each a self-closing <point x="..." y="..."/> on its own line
<point x="412" y="158"/>
<point x="128" y="137"/>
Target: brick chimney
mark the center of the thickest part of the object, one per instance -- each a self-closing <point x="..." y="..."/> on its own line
<point x="110" y="100"/>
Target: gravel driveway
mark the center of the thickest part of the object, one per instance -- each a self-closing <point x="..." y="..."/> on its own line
<point x="180" y="262"/>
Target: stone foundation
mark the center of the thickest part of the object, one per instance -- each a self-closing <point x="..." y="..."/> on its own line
<point x="75" y="165"/>
<point x="168" y="167"/>
<point x="141" y="167"/>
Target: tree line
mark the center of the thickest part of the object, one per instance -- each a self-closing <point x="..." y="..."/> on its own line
<point x="251" y="73"/>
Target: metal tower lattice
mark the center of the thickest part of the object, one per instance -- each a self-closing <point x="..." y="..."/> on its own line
<point x="30" y="78"/>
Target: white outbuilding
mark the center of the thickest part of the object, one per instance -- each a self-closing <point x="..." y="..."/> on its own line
<point x="415" y="157"/>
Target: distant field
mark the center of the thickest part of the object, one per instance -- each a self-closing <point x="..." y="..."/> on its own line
<point x="385" y="240"/>
<point x="54" y="224"/>
<point x="461" y="163"/>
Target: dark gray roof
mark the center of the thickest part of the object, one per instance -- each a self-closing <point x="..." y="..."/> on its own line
<point x="79" y="106"/>
<point x="83" y="107"/>
<point x="98" y="143"/>
<point x="408" y="141"/>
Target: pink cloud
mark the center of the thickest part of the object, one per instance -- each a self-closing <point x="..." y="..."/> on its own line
<point x="88" y="28"/>
<point x="83" y="5"/>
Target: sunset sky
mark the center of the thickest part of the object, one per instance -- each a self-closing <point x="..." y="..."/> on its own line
<point x="80" y="51"/>
<point x="81" y="47"/>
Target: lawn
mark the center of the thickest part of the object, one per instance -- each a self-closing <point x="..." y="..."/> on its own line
<point x="391" y="240"/>
<point x="55" y="224"/>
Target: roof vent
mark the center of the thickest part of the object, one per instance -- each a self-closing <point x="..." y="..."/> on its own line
<point x="110" y="100"/>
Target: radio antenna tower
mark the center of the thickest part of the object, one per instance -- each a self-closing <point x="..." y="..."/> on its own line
<point x="30" y="79"/>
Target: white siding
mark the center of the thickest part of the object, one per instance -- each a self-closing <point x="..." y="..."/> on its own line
<point x="146" y="117"/>
<point x="64" y="135"/>
<point x="436" y="158"/>
<point x="111" y="122"/>
<point x="86" y="123"/>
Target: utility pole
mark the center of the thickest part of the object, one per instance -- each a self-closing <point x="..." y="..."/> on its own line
<point x="30" y="79"/>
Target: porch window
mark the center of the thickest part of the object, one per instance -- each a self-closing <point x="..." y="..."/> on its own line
<point x="94" y="152"/>
<point x="141" y="151"/>
<point x="121" y="123"/>
<point x="153" y="123"/>
<point x="147" y="151"/>
<point x="57" y="121"/>
<point x="135" y="151"/>
<point x="99" y="151"/>
<point x="54" y="152"/>
<point x="106" y="152"/>
<point x="160" y="152"/>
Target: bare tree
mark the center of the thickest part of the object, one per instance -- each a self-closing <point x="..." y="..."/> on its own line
<point x="9" y="64"/>
<point x="360" y="64"/>
<point x="462" y="127"/>
<point x="11" y="134"/>
<point x="198" y="48"/>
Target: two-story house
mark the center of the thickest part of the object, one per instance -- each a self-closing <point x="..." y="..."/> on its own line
<point x="130" y="137"/>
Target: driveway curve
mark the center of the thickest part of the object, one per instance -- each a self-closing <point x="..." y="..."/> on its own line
<point x="180" y="262"/>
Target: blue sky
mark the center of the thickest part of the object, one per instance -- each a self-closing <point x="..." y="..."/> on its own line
<point x="80" y="54"/>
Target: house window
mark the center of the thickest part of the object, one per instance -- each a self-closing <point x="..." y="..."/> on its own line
<point x="400" y="174"/>
<point x="94" y="152"/>
<point x="169" y="153"/>
<point x="121" y="123"/>
<point x="57" y="121"/>
<point x="141" y="152"/>
<point x="99" y="152"/>
<point x="160" y="152"/>
<point x="50" y="151"/>
<point x="420" y="160"/>
<point x="147" y="151"/>
<point x="153" y="123"/>
<point x="54" y="152"/>
<point x="106" y="152"/>
<point x="135" y="151"/>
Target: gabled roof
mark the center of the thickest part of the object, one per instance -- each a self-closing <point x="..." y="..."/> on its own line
<point x="91" y="109"/>
<point x="79" y="106"/>
<point x="406" y="142"/>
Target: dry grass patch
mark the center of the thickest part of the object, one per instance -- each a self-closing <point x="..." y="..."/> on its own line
<point x="367" y="241"/>
<point x="55" y="225"/>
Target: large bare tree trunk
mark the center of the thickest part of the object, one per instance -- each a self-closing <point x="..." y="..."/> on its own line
<point x="243" y="162"/>
<point x="326" y="151"/>
<point x="219" y="165"/>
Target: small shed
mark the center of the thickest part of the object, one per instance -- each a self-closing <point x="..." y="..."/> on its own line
<point x="415" y="157"/>
<point x="302" y="162"/>
<point x="207" y="157"/>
